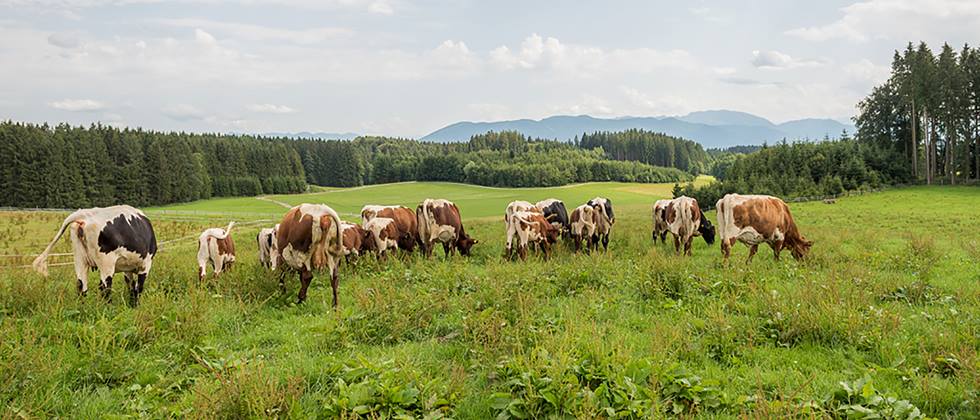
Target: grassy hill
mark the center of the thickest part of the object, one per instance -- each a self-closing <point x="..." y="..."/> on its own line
<point x="890" y="298"/>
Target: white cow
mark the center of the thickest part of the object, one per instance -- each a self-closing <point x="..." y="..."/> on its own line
<point x="384" y="234"/>
<point x="660" y="220"/>
<point x="110" y="239"/>
<point x="215" y="246"/>
<point x="514" y="207"/>
<point x="268" y="248"/>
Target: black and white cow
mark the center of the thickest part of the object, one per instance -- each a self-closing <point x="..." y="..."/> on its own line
<point x="605" y="222"/>
<point x="111" y="239"/>
<point x="554" y="212"/>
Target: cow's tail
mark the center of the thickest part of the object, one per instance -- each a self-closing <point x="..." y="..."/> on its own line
<point x="227" y="231"/>
<point x="41" y="262"/>
<point x="338" y="234"/>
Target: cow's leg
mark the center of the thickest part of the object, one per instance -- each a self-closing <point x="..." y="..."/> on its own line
<point x="305" y="277"/>
<point x="522" y="252"/>
<point x="677" y="244"/>
<point x="81" y="274"/>
<point x="776" y="248"/>
<point x="445" y="248"/>
<point x="726" y="249"/>
<point x="130" y="278"/>
<point x="605" y="242"/>
<point x="546" y="249"/>
<point x="107" y="267"/>
<point x="334" y="283"/>
<point x="137" y="290"/>
<point x="752" y="251"/>
<point x="282" y="281"/>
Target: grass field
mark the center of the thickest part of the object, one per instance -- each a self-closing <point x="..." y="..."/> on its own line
<point x="888" y="303"/>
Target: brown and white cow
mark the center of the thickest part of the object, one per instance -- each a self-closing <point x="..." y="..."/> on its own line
<point x="532" y="228"/>
<point x="606" y="220"/>
<point x="382" y="236"/>
<point x="514" y="207"/>
<point x="685" y="221"/>
<point x="660" y="221"/>
<point x="439" y="221"/>
<point x="216" y="247"/>
<point x="355" y="239"/>
<point x="111" y="239"/>
<point x="405" y="221"/>
<point x="268" y="248"/>
<point x="754" y="219"/>
<point x="310" y="238"/>
<point x="584" y="221"/>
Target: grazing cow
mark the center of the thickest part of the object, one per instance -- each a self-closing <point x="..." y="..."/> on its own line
<point x="355" y="239"/>
<point x="310" y="238"/>
<point x="110" y="239"/>
<point x="404" y="218"/>
<point x="215" y="246"/>
<point x="584" y="221"/>
<point x="268" y="251"/>
<point x="439" y="220"/>
<point x="382" y="235"/>
<point x="606" y="221"/>
<point x="554" y="211"/>
<point x="532" y="228"/>
<point x="660" y="221"/>
<point x="514" y="207"/>
<point x="754" y="219"/>
<point x="685" y="221"/>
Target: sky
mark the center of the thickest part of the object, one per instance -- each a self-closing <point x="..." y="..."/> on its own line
<point x="406" y="68"/>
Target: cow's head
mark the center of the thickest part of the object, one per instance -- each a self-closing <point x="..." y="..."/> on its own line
<point x="367" y="241"/>
<point x="707" y="230"/>
<point x="551" y="233"/>
<point x="801" y="248"/>
<point x="464" y="243"/>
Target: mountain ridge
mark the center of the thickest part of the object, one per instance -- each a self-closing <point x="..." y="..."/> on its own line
<point x="712" y="128"/>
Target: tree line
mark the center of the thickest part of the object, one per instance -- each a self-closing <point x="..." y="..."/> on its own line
<point x="504" y="159"/>
<point x="920" y="125"/>
<point x="73" y="167"/>
<point x="803" y="169"/>
<point x="928" y="113"/>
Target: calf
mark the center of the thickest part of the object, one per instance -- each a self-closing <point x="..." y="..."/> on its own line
<point x="532" y="228"/>
<point x="660" y="221"/>
<point x="583" y="226"/>
<point x="382" y="234"/>
<point x="754" y="219"/>
<point x="685" y="221"/>
<point x="514" y="207"/>
<point x="216" y="247"/>
<point x="268" y="250"/>
<point x="439" y="221"/>
<point x="404" y="218"/>
<point x="606" y="220"/>
<point x="310" y="238"/>
<point x="554" y="211"/>
<point x="355" y="240"/>
<point x="111" y="239"/>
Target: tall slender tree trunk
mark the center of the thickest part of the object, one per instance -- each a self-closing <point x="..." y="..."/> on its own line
<point x="915" y="144"/>
<point x="928" y="146"/>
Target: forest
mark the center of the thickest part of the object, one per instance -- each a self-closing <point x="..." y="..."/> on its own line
<point x="922" y="125"/>
<point x="72" y="167"/>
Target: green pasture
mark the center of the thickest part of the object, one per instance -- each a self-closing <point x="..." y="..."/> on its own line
<point x="887" y="303"/>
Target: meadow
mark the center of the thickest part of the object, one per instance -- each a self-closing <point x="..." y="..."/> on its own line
<point x="882" y="319"/>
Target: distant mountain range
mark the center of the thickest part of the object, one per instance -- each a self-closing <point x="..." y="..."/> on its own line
<point x="720" y="128"/>
<point x="316" y="136"/>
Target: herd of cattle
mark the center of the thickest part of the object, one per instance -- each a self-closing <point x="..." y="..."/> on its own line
<point x="311" y="237"/>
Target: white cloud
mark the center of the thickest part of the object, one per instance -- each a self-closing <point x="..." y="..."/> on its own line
<point x="774" y="60"/>
<point x="63" y="40"/>
<point x="184" y="112"/>
<point x="250" y="32"/>
<point x="901" y="20"/>
<point x="77" y="105"/>
<point x="658" y="105"/>
<point x="372" y="6"/>
<point x="583" y="61"/>
<point x="271" y="108"/>
<point x="381" y="7"/>
<point x="585" y="105"/>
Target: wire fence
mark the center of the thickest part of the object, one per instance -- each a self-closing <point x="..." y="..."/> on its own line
<point x="161" y="247"/>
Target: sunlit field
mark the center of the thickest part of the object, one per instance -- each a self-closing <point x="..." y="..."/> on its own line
<point x="888" y="303"/>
